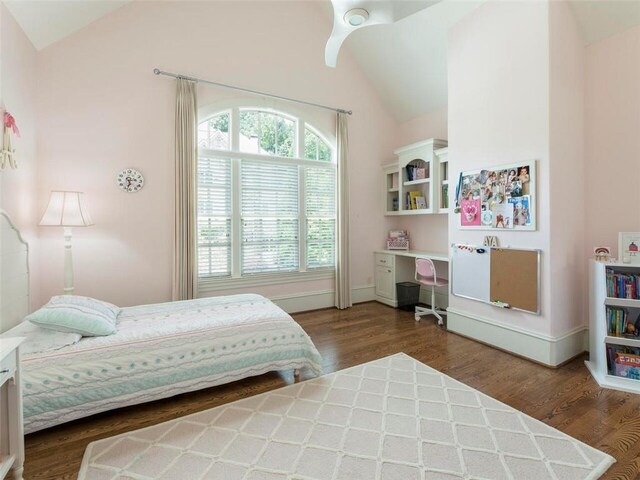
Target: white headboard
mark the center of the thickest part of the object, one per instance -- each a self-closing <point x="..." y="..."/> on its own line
<point x="14" y="274"/>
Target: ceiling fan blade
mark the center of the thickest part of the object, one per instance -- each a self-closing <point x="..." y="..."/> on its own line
<point x="338" y="36"/>
<point x="378" y="15"/>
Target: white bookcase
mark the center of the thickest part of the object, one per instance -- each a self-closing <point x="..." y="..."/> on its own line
<point x="397" y="184"/>
<point x="599" y="337"/>
<point x="442" y="155"/>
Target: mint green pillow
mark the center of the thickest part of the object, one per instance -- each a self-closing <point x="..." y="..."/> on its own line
<point x="72" y="313"/>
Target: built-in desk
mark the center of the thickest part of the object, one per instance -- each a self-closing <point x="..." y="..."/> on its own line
<point x="394" y="266"/>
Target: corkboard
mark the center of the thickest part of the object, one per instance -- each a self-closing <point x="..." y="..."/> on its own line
<point x="514" y="278"/>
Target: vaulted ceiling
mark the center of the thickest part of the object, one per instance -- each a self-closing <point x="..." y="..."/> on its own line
<point x="405" y="61"/>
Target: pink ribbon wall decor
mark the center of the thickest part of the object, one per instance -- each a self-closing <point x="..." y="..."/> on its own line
<point x="10" y="122"/>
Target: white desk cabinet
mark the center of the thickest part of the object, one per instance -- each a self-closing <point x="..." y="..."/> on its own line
<point x="11" y="429"/>
<point x="385" y="278"/>
<point x="395" y="266"/>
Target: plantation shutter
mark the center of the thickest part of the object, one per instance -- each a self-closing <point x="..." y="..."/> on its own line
<point x="269" y="217"/>
<point x="320" y="209"/>
<point x="214" y="217"/>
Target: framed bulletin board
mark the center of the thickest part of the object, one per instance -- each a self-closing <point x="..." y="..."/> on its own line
<point x="500" y="197"/>
<point x="515" y="278"/>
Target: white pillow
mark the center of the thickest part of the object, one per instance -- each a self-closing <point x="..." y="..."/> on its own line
<point x="72" y="313"/>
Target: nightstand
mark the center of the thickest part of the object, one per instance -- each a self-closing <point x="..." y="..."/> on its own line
<point x="11" y="425"/>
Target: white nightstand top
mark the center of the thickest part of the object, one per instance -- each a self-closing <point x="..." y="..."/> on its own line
<point x="9" y="344"/>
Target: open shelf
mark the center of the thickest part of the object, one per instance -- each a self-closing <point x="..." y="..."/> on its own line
<point x="415" y="179"/>
<point x="622" y="302"/>
<point x="418" y="182"/>
<point x="614" y="356"/>
<point x="626" y="341"/>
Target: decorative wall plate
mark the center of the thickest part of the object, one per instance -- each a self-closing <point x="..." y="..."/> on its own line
<point x="130" y="180"/>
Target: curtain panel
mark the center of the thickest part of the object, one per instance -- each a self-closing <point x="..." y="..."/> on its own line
<point x="186" y="156"/>
<point x="343" y="269"/>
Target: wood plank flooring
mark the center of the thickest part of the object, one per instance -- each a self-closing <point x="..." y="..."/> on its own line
<point x="566" y="398"/>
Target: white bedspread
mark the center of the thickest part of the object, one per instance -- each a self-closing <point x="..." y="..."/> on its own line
<point x="162" y="350"/>
<point x="41" y="340"/>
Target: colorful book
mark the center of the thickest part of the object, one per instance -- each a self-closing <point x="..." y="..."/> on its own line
<point x="412" y="199"/>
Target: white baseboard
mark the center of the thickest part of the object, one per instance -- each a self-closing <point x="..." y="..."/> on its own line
<point x="363" y="294"/>
<point x="301" y="302"/>
<point x="542" y="348"/>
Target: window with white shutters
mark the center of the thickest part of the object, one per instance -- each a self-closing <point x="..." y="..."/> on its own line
<point x="320" y="206"/>
<point x="269" y="217"/>
<point x="214" y="217"/>
<point x="266" y="199"/>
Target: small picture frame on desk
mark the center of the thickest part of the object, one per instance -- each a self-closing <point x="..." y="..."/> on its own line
<point x="629" y="247"/>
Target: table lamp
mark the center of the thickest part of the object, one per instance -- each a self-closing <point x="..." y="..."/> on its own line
<point x="66" y="209"/>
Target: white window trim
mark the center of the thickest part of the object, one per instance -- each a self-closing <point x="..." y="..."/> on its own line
<point x="236" y="279"/>
<point x="214" y="284"/>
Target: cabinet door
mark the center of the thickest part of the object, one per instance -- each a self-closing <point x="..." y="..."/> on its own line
<point x="385" y="282"/>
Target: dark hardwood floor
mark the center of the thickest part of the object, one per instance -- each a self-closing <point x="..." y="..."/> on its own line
<point x="566" y="398"/>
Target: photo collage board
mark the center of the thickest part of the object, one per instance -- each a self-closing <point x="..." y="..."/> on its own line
<point x="501" y="197"/>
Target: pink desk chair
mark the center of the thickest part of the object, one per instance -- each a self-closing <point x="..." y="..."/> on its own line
<point x="426" y="275"/>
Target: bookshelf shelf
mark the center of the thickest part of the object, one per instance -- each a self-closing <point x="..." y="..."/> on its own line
<point x="403" y="187"/>
<point x="614" y="359"/>
<point x="443" y="158"/>
<point x="417" y="182"/>
<point x="622" y="302"/>
<point x="611" y="381"/>
<point x="626" y="341"/>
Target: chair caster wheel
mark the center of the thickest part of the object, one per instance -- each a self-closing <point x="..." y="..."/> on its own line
<point x="417" y="318"/>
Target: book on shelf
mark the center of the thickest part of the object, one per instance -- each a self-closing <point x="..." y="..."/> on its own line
<point x="411" y="172"/>
<point x="421" y="203"/>
<point x="620" y="323"/>
<point x="445" y="196"/>
<point x="412" y="199"/>
<point x="623" y="285"/>
<point x="623" y="361"/>
<point x="415" y="172"/>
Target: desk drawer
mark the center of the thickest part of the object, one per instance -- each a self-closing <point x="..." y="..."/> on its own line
<point x="385" y="259"/>
<point x="7" y="367"/>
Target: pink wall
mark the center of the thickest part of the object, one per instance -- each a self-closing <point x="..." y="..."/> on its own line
<point x="102" y="109"/>
<point x="499" y="113"/>
<point x="18" y="188"/>
<point x="429" y="125"/>
<point x="428" y="232"/>
<point x="612" y="131"/>
<point x="567" y="176"/>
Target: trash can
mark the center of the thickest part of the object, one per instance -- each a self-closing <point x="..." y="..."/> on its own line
<point x="408" y="294"/>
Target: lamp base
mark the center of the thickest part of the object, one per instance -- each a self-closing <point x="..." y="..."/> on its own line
<point x="68" y="263"/>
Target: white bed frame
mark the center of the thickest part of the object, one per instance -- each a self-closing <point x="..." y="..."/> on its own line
<point x="14" y="275"/>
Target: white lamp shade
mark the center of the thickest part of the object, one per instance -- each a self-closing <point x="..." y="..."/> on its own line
<point x="66" y="209"/>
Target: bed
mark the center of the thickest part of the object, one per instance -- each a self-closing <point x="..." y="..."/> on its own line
<point x="158" y="351"/>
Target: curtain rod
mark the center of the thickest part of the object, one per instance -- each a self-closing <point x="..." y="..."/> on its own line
<point x="255" y="92"/>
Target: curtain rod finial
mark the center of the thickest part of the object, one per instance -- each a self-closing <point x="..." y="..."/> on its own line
<point x="156" y="71"/>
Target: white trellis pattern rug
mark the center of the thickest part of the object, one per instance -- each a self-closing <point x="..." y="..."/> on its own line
<point x="391" y="419"/>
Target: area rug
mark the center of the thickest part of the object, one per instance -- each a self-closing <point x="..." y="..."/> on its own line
<point x="391" y="419"/>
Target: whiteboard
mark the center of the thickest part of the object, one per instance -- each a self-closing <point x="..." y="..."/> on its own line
<point x="471" y="272"/>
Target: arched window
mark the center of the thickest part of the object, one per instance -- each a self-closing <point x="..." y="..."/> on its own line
<point x="266" y="197"/>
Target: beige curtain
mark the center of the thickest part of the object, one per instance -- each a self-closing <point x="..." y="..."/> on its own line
<point x="184" y="245"/>
<point x="343" y="270"/>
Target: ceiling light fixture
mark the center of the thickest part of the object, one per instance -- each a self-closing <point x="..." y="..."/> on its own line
<point x="356" y="17"/>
